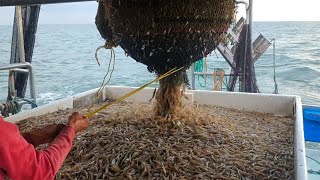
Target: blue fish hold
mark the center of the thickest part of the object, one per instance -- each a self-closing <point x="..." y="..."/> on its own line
<point x="311" y="119"/>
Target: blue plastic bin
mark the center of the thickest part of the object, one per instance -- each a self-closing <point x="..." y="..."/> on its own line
<point x="311" y="119"/>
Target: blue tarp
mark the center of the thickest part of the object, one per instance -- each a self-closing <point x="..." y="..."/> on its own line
<point x="311" y="119"/>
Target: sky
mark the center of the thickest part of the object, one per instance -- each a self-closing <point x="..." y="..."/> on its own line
<point x="84" y="12"/>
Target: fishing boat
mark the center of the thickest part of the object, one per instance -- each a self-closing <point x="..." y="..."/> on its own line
<point x="246" y="97"/>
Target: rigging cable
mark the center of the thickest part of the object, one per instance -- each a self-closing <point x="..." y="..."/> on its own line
<point x="274" y="67"/>
<point x="104" y="84"/>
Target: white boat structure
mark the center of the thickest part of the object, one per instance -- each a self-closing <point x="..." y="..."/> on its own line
<point x="279" y="105"/>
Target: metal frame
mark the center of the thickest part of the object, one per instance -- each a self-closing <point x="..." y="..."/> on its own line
<point x="19" y="67"/>
<point x="249" y="13"/>
<point x="37" y="2"/>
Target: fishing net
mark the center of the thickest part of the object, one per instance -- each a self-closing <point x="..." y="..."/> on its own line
<point x="164" y="34"/>
<point x="30" y="16"/>
<point x="243" y="65"/>
<point x="205" y="142"/>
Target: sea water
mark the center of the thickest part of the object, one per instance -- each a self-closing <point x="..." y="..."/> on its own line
<point x="64" y="61"/>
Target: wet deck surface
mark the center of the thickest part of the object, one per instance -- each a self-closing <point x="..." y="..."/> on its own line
<point x="313" y="160"/>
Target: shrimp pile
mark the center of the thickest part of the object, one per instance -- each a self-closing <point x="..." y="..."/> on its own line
<point x="169" y="97"/>
<point x="204" y="142"/>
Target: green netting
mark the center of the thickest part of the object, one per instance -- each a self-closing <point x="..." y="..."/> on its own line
<point x="199" y="67"/>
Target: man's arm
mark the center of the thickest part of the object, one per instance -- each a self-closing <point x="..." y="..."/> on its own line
<point x="43" y="135"/>
<point x="20" y="160"/>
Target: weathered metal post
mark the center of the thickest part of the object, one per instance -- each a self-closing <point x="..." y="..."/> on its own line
<point x="22" y="54"/>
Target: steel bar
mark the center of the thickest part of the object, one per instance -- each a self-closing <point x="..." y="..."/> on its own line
<point x="210" y="74"/>
<point x="36" y="2"/>
<point x="250" y="19"/>
<point x="32" y="88"/>
<point x="243" y="2"/>
<point x="19" y="70"/>
<point x="247" y="7"/>
<point x="15" y="66"/>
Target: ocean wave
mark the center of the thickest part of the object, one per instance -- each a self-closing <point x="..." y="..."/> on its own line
<point x="300" y="74"/>
<point x="44" y="98"/>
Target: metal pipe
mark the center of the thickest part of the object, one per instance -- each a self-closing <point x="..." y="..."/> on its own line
<point x="247" y="7"/>
<point x="36" y="2"/>
<point x="210" y="74"/>
<point x="20" y="35"/>
<point x="32" y="88"/>
<point x="24" y="101"/>
<point x="201" y="73"/>
<point x="15" y="66"/>
<point x="31" y="76"/>
<point x="19" y="70"/>
<point x="193" y="78"/>
<point x="251" y="19"/>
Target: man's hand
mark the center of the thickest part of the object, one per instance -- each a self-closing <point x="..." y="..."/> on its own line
<point x="78" y="122"/>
